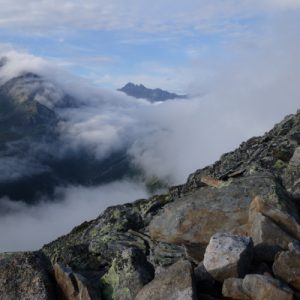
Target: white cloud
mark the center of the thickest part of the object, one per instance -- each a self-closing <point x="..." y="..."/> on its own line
<point x="139" y="15"/>
<point x="24" y="227"/>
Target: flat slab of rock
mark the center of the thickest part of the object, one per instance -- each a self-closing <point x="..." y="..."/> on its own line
<point x="287" y="267"/>
<point x="174" y="283"/>
<point x="228" y="256"/>
<point x="261" y="287"/>
<point x="196" y="217"/>
<point x="25" y="276"/>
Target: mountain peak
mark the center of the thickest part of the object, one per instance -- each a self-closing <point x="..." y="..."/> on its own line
<point x="153" y="95"/>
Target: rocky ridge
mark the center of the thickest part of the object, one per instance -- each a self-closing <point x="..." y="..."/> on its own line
<point x="153" y="95"/>
<point x="232" y="231"/>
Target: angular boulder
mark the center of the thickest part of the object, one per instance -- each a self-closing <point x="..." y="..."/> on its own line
<point x="228" y="256"/>
<point x="195" y="217"/>
<point x="281" y="210"/>
<point x="174" y="283"/>
<point x="291" y="176"/>
<point x="25" y="276"/>
<point x="261" y="287"/>
<point x="233" y="289"/>
<point x="128" y="273"/>
<point x="73" y="286"/>
<point x="287" y="267"/>
<point x="268" y="238"/>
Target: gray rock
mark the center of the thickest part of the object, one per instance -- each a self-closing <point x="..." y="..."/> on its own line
<point x="260" y="287"/>
<point x="233" y="289"/>
<point x="287" y="267"/>
<point x="291" y="176"/>
<point x="25" y="276"/>
<point x="194" y="218"/>
<point x="280" y="209"/>
<point x="268" y="238"/>
<point x="228" y="256"/>
<point x="128" y="273"/>
<point x="175" y="283"/>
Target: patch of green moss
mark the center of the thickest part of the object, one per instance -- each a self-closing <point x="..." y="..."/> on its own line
<point x="110" y="282"/>
<point x="279" y="164"/>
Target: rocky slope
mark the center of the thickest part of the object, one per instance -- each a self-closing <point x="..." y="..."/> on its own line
<point x="231" y="231"/>
<point x="153" y="95"/>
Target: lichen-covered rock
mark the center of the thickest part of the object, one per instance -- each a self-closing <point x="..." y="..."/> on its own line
<point x="25" y="276"/>
<point x="228" y="256"/>
<point x="164" y="254"/>
<point x="260" y="287"/>
<point x="291" y="176"/>
<point x="73" y="286"/>
<point x="128" y="273"/>
<point x="233" y="289"/>
<point x="174" y="283"/>
<point x="287" y="267"/>
<point x="93" y="245"/>
<point x="270" y="152"/>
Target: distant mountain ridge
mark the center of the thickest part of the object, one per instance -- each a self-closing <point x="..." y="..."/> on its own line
<point x="30" y="164"/>
<point x="153" y="95"/>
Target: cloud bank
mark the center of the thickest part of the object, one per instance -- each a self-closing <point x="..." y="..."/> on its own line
<point x="24" y="227"/>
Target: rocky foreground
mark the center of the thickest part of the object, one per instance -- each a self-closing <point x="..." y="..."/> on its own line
<point x="231" y="231"/>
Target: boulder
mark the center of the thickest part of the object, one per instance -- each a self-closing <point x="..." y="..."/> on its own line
<point x="73" y="286"/>
<point x="281" y="210"/>
<point x="174" y="283"/>
<point x="287" y="267"/>
<point x="268" y="238"/>
<point x="291" y="176"/>
<point x="228" y="256"/>
<point x="128" y="273"/>
<point x="256" y="287"/>
<point x="25" y="276"/>
<point x="233" y="289"/>
<point x="195" y="217"/>
<point x="261" y="287"/>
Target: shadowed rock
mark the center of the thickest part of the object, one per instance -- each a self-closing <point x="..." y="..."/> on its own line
<point x="287" y="266"/>
<point x="25" y="276"/>
<point x="175" y="283"/>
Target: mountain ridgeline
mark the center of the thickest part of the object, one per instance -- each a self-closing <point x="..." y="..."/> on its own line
<point x="153" y="95"/>
<point x="32" y="163"/>
<point x="232" y="231"/>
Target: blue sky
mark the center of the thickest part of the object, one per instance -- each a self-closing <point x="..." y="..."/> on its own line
<point x="156" y="43"/>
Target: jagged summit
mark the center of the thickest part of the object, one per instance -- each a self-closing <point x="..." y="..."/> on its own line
<point x="232" y="230"/>
<point x="153" y="95"/>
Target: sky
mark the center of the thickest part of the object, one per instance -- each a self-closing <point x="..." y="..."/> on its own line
<point x="156" y="43"/>
<point x="239" y="60"/>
